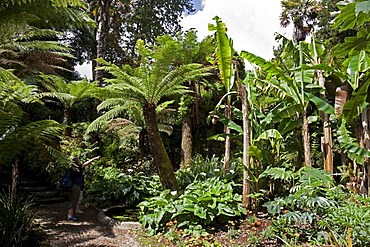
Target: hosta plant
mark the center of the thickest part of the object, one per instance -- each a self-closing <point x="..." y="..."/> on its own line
<point x="200" y="207"/>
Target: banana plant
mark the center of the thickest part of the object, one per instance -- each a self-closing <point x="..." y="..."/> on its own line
<point x="293" y="88"/>
<point x="228" y="76"/>
<point x="227" y="72"/>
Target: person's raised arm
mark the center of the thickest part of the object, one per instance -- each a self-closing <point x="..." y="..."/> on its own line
<point x="89" y="161"/>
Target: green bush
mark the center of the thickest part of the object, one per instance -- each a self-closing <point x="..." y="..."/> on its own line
<point x="318" y="211"/>
<point x="203" y="168"/>
<point x="202" y="206"/>
<point x="106" y="186"/>
<point x="16" y="220"/>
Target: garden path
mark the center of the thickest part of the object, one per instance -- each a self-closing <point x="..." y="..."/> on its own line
<point x="87" y="231"/>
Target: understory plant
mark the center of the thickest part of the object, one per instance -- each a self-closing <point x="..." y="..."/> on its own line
<point x="16" y="219"/>
<point x="107" y="186"/>
<point x="201" y="207"/>
<point x="202" y="168"/>
<point x="317" y="211"/>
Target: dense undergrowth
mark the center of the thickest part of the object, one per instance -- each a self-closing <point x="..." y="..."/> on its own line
<point x="311" y="209"/>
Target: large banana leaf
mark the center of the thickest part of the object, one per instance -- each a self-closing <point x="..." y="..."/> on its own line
<point x="223" y="52"/>
<point x="274" y="70"/>
<point x="358" y="99"/>
<point x="321" y="104"/>
<point x="350" y="144"/>
<point x="357" y="64"/>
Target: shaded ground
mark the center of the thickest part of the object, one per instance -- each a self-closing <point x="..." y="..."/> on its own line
<point x="87" y="231"/>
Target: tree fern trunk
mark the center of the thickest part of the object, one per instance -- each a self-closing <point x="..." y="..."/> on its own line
<point x="158" y="151"/>
<point x="186" y="142"/>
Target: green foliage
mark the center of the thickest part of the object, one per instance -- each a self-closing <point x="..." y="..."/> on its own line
<point x="352" y="148"/>
<point x="354" y="214"/>
<point x="316" y="209"/>
<point x="203" y="168"/>
<point x="18" y="136"/>
<point x="106" y="186"/>
<point x="201" y="206"/>
<point x="16" y="220"/>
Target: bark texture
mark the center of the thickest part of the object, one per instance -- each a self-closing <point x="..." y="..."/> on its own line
<point x="157" y="149"/>
<point x="327" y="140"/>
<point x="246" y="201"/>
<point x="186" y="142"/>
<point x="306" y="140"/>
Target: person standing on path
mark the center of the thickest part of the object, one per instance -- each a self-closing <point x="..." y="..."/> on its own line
<point x="77" y="180"/>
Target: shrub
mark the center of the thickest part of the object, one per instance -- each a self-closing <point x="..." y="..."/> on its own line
<point x="203" y="168"/>
<point x="107" y="186"/>
<point x="318" y="211"/>
<point x="201" y="206"/>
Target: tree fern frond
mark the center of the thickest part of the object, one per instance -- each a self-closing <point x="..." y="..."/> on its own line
<point x="21" y="138"/>
<point x="110" y="103"/>
<point x="103" y="119"/>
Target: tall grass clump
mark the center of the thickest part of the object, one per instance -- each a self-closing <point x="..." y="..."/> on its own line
<point x="16" y="219"/>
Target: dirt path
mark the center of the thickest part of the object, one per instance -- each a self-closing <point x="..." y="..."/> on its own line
<point x="87" y="231"/>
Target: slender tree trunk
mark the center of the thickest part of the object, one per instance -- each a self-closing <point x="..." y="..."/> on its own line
<point x="67" y="120"/>
<point x="186" y="142"/>
<point x="327" y="141"/>
<point x="306" y="140"/>
<point x="158" y="151"/>
<point x="227" y="139"/>
<point x="246" y="201"/>
<point x="16" y="175"/>
<point x="102" y="36"/>
<point x="365" y="121"/>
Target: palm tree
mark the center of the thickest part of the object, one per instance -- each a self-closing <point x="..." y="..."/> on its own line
<point x="303" y="15"/>
<point x="17" y="136"/>
<point x="144" y="88"/>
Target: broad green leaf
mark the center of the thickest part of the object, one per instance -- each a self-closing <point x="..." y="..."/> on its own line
<point x="230" y="124"/>
<point x="353" y="45"/>
<point x="350" y="145"/>
<point x="270" y="134"/>
<point x="272" y="69"/>
<point x="223" y="53"/>
<point x="287" y="112"/>
<point x="358" y="63"/>
<point x="363" y="7"/>
<point x="321" y="104"/>
<point x="351" y="15"/>
<point x="200" y="212"/>
<point x="288" y="125"/>
<point x="350" y="109"/>
<point x="254" y="151"/>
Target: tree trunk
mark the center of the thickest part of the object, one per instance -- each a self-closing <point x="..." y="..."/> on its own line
<point x="186" y="142"/>
<point x="67" y="121"/>
<point x="365" y="122"/>
<point x="327" y="141"/>
<point x="227" y="140"/>
<point x="16" y="171"/>
<point x="246" y="201"/>
<point x="102" y="36"/>
<point x="306" y="139"/>
<point x="158" y="151"/>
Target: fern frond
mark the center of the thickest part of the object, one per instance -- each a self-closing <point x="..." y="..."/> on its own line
<point x="103" y="119"/>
